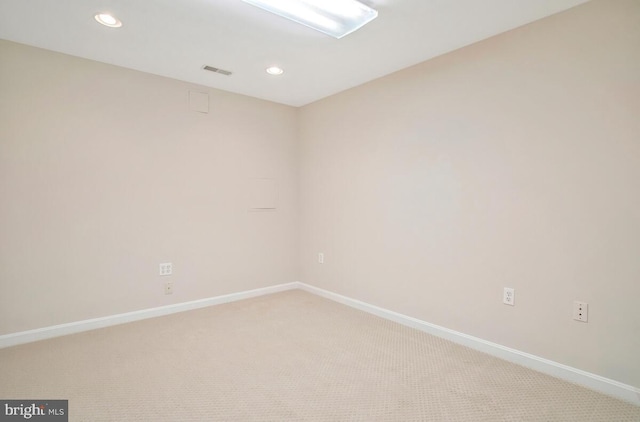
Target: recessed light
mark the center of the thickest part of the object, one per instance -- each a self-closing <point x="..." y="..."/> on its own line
<point x="108" y="20"/>
<point x="275" y="70"/>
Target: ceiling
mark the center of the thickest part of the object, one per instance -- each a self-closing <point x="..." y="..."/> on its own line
<point x="176" y="38"/>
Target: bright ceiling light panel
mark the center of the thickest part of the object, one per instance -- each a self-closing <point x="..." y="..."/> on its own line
<point x="332" y="17"/>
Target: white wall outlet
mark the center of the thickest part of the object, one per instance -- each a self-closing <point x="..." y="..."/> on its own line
<point x="509" y="296"/>
<point x="166" y="268"/>
<point x="581" y="311"/>
<point x="168" y="288"/>
<point x="320" y="258"/>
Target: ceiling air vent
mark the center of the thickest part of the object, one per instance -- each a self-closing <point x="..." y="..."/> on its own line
<point x="216" y="70"/>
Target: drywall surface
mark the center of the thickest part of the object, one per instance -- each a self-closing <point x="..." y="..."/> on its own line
<point x="105" y="173"/>
<point x="514" y="162"/>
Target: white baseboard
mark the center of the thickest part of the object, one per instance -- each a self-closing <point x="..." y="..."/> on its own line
<point x="595" y="382"/>
<point x="14" y="339"/>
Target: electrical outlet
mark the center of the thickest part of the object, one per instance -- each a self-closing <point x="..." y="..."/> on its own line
<point x="166" y="268"/>
<point x="168" y="288"/>
<point x="581" y="311"/>
<point x="509" y="296"/>
<point x="320" y="258"/>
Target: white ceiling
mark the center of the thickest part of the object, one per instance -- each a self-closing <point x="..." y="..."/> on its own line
<point x="175" y="38"/>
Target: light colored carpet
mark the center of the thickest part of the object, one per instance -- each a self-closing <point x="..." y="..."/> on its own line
<point x="290" y="356"/>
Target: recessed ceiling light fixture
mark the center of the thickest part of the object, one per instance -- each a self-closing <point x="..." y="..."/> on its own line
<point x="108" y="20"/>
<point x="332" y="17"/>
<point x="275" y="70"/>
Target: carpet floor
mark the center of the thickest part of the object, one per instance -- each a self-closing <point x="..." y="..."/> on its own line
<point x="290" y="356"/>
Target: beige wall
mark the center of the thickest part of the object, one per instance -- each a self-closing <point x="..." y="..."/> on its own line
<point x="105" y="173"/>
<point x="513" y="162"/>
